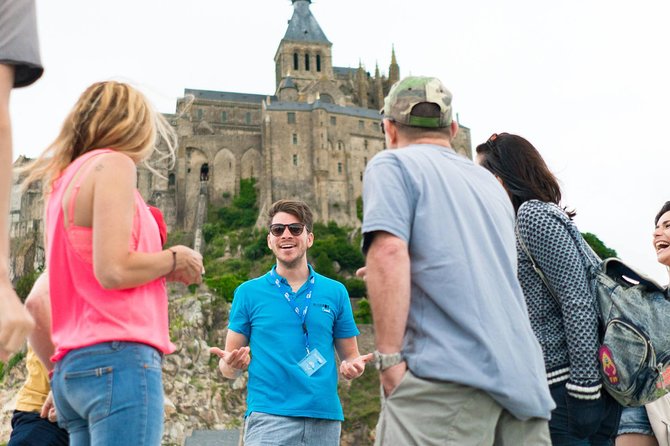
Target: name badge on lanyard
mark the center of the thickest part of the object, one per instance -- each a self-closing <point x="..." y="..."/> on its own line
<point x="313" y="360"/>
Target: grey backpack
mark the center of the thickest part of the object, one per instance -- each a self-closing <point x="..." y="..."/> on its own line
<point x="634" y="313"/>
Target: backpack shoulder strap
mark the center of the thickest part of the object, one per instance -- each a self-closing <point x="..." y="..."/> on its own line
<point x="537" y="269"/>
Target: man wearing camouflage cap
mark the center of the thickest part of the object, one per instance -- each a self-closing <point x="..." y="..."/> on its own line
<point x="459" y="363"/>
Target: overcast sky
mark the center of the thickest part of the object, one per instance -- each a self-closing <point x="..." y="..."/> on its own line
<point x="587" y="82"/>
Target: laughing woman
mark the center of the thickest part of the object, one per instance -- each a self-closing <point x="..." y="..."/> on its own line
<point x="635" y="428"/>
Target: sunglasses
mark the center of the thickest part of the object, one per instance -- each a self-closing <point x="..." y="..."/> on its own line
<point x="277" y="229"/>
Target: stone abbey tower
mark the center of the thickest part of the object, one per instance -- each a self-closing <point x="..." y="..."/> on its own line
<point x="310" y="139"/>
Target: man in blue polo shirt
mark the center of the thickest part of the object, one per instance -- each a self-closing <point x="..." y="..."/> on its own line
<point x="292" y="320"/>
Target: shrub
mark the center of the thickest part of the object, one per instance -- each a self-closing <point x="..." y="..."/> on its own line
<point x="598" y="246"/>
<point x="355" y="287"/>
<point x="363" y="314"/>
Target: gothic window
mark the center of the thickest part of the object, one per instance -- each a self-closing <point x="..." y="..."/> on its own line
<point x="171" y="181"/>
<point x="295" y="138"/>
<point x="333" y="120"/>
<point x="365" y="144"/>
<point x="295" y="159"/>
<point x="340" y="145"/>
<point x="291" y="117"/>
<point x="199" y="113"/>
<point x="365" y="161"/>
<point x="295" y="61"/>
<point x="247" y="118"/>
<point x="318" y="62"/>
<point x="361" y="125"/>
<point x="306" y="62"/>
<point x="224" y="116"/>
<point x="361" y="175"/>
<point x="339" y="167"/>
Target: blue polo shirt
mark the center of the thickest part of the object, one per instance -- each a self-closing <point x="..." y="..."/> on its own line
<point x="277" y="385"/>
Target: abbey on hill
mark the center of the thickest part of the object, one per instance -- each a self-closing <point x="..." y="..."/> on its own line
<point x="310" y="140"/>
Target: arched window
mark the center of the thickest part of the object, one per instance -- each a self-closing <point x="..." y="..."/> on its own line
<point x="306" y="62"/>
<point x="318" y="62"/>
<point x="171" y="181"/>
<point x="295" y="61"/>
<point x="204" y="172"/>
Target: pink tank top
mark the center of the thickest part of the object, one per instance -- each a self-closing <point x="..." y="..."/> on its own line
<point x="83" y="312"/>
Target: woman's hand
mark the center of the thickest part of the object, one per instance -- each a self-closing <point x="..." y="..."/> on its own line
<point x="188" y="267"/>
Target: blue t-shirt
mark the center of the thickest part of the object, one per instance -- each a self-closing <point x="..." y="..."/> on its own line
<point x="468" y="321"/>
<point x="277" y="385"/>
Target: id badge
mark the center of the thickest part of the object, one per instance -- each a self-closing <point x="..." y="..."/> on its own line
<point x="312" y="362"/>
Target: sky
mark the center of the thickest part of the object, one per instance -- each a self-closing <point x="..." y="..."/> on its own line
<point x="587" y="82"/>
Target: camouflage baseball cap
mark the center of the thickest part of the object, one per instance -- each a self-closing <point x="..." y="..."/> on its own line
<point x="413" y="90"/>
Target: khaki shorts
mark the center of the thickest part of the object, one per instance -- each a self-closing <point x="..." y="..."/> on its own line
<point x="422" y="412"/>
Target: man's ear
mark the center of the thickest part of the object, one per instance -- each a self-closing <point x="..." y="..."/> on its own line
<point x="454" y="129"/>
<point x="391" y="131"/>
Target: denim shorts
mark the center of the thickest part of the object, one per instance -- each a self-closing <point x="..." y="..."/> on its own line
<point x="634" y="420"/>
<point x="264" y="429"/>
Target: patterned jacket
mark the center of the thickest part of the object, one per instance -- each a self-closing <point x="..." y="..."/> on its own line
<point x="567" y="329"/>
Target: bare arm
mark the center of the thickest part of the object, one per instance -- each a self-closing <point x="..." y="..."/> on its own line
<point x="39" y="306"/>
<point x="112" y="181"/>
<point x="15" y="322"/>
<point x="387" y="276"/>
<point x="235" y="358"/>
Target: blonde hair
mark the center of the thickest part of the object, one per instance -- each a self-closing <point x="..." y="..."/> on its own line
<point x="111" y="115"/>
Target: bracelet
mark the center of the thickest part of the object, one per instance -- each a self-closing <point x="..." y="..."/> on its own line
<point x="174" y="260"/>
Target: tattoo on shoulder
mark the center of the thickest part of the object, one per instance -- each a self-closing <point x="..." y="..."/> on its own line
<point x="99" y="167"/>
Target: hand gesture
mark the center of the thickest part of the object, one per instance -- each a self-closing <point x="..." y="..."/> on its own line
<point x="354" y="368"/>
<point x="232" y="363"/>
<point x="15" y="321"/>
<point x="188" y="266"/>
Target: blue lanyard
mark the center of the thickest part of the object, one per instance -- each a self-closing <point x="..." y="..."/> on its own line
<point x="286" y="292"/>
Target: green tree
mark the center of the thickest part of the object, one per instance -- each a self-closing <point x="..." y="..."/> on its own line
<point x="598" y="246"/>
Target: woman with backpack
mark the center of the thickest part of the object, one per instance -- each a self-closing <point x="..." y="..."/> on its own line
<point x="562" y="313"/>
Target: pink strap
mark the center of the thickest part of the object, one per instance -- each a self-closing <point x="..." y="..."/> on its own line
<point x="81" y="177"/>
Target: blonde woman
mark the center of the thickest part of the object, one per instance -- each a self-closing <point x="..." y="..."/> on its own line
<point x="107" y="270"/>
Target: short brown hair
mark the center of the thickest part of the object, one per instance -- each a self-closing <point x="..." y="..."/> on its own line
<point x="298" y="209"/>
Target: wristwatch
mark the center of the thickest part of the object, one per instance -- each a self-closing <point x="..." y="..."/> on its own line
<point x="385" y="360"/>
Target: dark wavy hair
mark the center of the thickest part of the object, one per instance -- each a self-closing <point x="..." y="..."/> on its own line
<point x="521" y="168"/>
<point x="664" y="209"/>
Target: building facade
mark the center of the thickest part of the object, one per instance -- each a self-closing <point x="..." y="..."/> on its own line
<point x="310" y="139"/>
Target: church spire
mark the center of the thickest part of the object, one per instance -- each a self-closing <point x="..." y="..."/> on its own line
<point x="394" y="68"/>
<point x="303" y="27"/>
